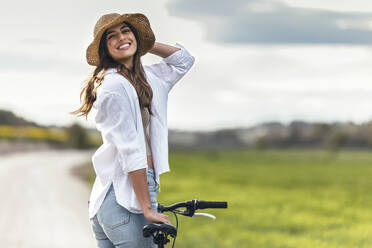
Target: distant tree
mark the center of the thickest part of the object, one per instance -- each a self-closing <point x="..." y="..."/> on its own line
<point x="320" y="132"/>
<point x="78" y="136"/>
<point x="295" y="131"/>
<point x="336" y="141"/>
<point x="261" y="143"/>
<point x="9" y="118"/>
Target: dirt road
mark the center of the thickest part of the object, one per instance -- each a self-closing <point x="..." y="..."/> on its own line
<point x="42" y="204"/>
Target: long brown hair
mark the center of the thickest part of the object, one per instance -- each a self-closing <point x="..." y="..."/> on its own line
<point x="136" y="77"/>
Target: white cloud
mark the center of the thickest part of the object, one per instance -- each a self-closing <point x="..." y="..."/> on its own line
<point x="267" y="22"/>
<point x="335" y="5"/>
<point x="42" y="69"/>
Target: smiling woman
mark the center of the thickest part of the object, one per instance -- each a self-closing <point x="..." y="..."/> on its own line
<point x="131" y="100"/>
<point x="121" y="44"/>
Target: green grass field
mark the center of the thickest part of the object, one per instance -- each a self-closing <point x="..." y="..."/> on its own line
<point x="276" y="198"/>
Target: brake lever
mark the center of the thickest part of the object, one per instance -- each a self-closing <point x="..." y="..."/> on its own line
<point x="205" y="214"/>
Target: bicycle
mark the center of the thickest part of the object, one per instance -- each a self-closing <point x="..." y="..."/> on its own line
<point x="160" y="232"/>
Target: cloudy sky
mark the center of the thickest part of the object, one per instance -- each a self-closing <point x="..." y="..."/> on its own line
<point x="256" y="60"/>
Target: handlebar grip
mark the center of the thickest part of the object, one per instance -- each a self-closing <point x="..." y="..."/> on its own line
<point x="210" y="204"/>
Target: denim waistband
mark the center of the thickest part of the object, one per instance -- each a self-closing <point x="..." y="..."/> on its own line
<point x="150" y="173"/>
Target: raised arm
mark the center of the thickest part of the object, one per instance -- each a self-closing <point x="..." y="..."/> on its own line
<point x="177" y="61"/>
<point x="163" y="50"/>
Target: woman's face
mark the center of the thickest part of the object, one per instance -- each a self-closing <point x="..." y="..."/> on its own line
<point x="121" y="43"/>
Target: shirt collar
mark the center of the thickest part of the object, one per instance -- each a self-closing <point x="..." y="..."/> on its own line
<point x="110" y="70"/>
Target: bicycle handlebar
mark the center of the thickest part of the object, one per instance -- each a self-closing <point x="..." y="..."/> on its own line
<point x="160" y="232"/>
<point x="210" y="204"/>
<point x="192" y="206"/>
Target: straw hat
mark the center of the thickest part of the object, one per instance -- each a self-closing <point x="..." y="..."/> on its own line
<point x="140" y="23"/>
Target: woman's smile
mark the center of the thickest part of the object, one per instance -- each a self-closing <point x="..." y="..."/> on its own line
<point x="124" y="46"/>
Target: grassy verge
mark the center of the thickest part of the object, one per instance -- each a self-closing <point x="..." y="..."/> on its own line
<point x="85" y="172"/>
<point x="277" y="198"/>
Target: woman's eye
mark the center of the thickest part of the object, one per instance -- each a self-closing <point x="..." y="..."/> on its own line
<point x="124" y="31"/>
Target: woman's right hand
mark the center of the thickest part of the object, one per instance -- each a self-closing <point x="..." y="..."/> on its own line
<point x="155" y="217"/>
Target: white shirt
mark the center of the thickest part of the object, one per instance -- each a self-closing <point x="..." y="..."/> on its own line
<point x="119" y="120"/>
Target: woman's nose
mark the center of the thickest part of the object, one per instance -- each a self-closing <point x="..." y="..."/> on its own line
<point x="121" y="36"/>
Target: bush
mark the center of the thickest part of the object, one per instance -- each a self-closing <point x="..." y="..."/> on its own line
<point x="78" y="137"/>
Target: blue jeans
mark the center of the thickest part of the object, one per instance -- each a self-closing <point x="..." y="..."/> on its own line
<point x="115" y="227"/>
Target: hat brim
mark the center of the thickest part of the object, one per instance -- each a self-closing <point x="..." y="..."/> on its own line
<point x="139" y="22"/>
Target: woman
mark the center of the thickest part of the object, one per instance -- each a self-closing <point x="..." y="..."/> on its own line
<point x="131" y="103"/>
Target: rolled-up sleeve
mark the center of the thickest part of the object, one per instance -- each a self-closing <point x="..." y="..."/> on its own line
<point x="173" y="67"/>
<point x="116" y="122"/>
